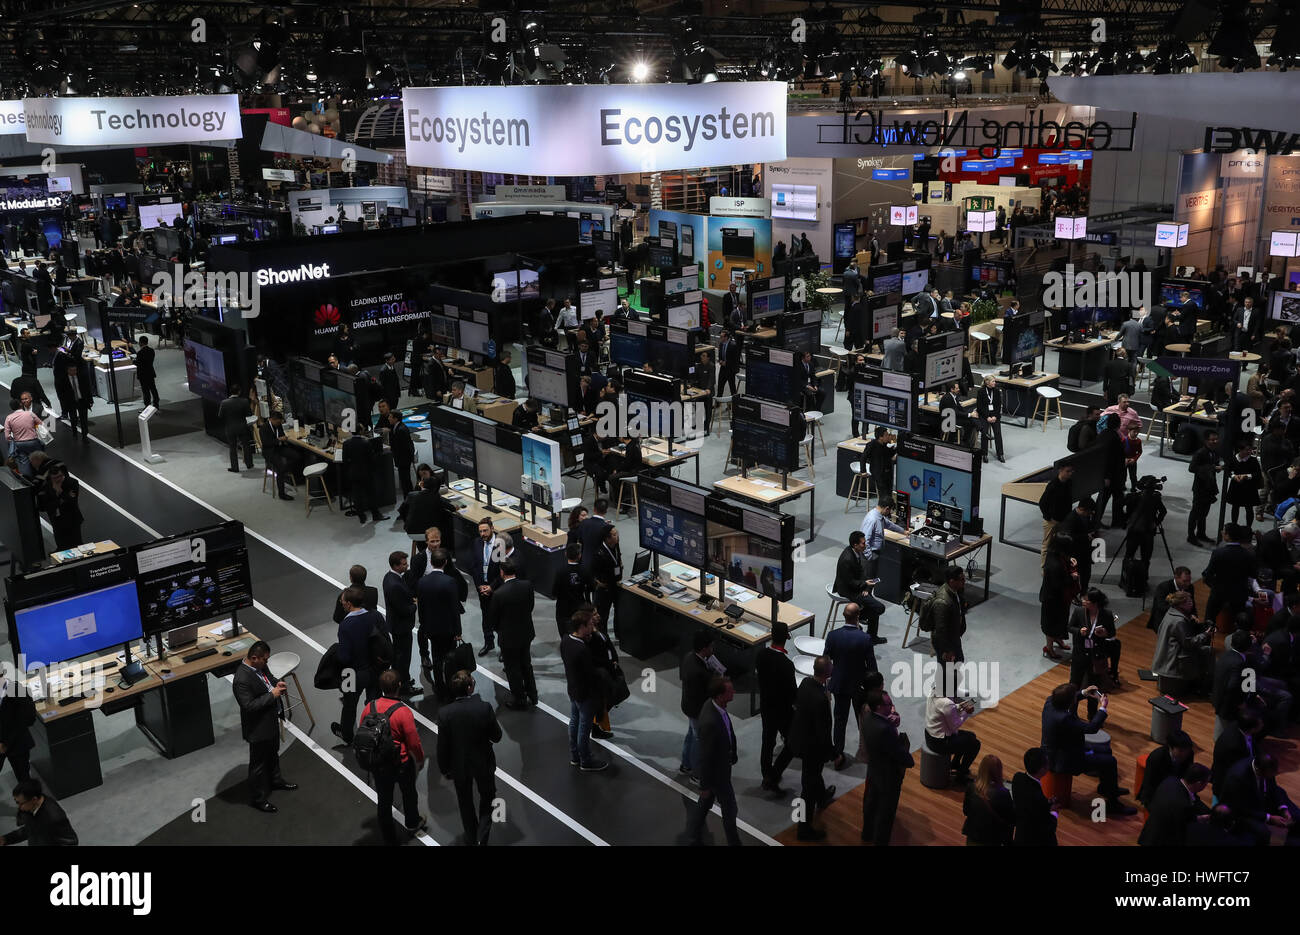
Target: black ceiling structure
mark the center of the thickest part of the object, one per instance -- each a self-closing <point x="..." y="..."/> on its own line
<point x="327" y="47"/>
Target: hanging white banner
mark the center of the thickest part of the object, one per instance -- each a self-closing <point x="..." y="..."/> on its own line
<point x="572" y="130"/>
<point x="12" y="120"/>
<point x="131" y="121"/>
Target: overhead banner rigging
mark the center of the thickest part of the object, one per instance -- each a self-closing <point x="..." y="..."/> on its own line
<point x="570" y="130"/>
<point x="131" y="121"/>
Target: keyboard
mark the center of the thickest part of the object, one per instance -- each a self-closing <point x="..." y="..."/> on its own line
<point x="651" y="589"/>
<point x="200" y="654"/>
<point x="72" y="699"/>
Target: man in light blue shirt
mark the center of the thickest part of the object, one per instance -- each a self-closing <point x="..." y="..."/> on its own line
<point x="873" y="527"/>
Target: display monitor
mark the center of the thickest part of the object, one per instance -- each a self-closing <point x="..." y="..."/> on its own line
<point x="883" y="397"/>
<point x="530" y="284"/>
<point x="445" y="330"/>
<point x="794" y="202"/>
<point x="653" y="416"/>
<point x="205" y="370"/>
<point x="178" y="585"/>
<point x="660" y="256"/>
<point x="684" y="316"/>
<point x="766" y="304"/>
<point x="669" y="357"/>
<point x="115" y="202"/>
<point x="1022" y="337"/>
<point x="738" y="243"/>
<point x="776" y="382"/>
<point x="58" y="183"/>
<point x="498" y="467"/>
<point x="672" y="532"/>
<point x="888" y="282"/>
<point x="150" y="215"/>
<point x="336" y="402"/>
<point x="586" y="226"/>
<point x="604" y="250"/>
<point x="452" y="451"/>
<point x="948" y="482"/>
<point x="78" y="626"/>
<point x="1285" y="307"/>
<point x="1171" y="294"/>
<point x="765" y="444"/>
<point x="745" y="559"/>
<point x="915" y="281"/>
<point x="808" y="338"/>
<point x="627" y="350"/>
<point x="474" y="336"/>
<point x="550" y="386"/>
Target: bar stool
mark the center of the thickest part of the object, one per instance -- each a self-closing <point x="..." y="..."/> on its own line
<point x="1046" y="396"/>
<point x="810" y="646"/>
<point x="982" y="350"/>
<point x="718" y="403"/>
<point x="273" y="474"/>
<point x="813" y="419"/>
<point x="316" y="472"/>
<point x="860" y="486"/>
<point x="920" y="594"/>
<point x="803" y="667"/>
<point x="64" y="295"/>
<point x="627" y="483"/>
<point x="808" y="441"/>
<point x="837" y="603"/>
<point x="9" y="345"/>
<point x="285" y="666"/>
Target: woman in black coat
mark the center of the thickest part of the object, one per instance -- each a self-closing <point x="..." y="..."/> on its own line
<point x="1244" y="479"/>
<point x="1059" y="588"/>
<point x="990" y="814"/>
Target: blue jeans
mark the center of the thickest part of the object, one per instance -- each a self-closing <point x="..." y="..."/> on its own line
<point x="688" y="745"/>
<point x="22" y="451"/>
<point x="581" y="714"/>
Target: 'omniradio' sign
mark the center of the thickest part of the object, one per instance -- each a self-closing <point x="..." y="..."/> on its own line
<point x="595" y="129"/>
<point x="278" y="277"/>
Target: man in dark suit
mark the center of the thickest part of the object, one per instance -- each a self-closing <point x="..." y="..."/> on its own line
<point x="279" y="454"/>
<point x="988" y="412"/>
<point x="1250" y="789"/>
<point x="482" y="570"/>
<point x="852" y="654"/>
<point x="776" y="696"/>
<point x="586" y="692"/>
<point x="571" y="587"/>
<point x="439" y="601"/>
<point x="695" y="673"/>
<point x="1035" y="820"/>
<point x="511" y="613"/>
<point x="1172" y="758"/>
<point x="467" y="729"/>
<point x="370" y="595"/>
<point x="1204" y="468"/>
<point x="233" y="414"/>
<point x="813" y="394"/>
<point x="399" y="602"/>
<point x="1231" y="567"/>
<point x="503" y="379"/>
<point x="888" y="759"/>
<point x="258" y="694"/>
<point x="144" y="372"/>
<point x="41" y="820"/>
<point x="851" y="571"/>
<point x="810" y="736"/>
<point x="424" y="508"/>
<point x="360" y="466"/>
<point x="717" y="754"/>
<point x="1174" y="807"/>
<point x="729" y="360"/>
<point x="1181" y="581"/>
<point x="1221" y="829"/>
<point x="361" y="667"/>
<point x="17" y="715"/>
<point x="1063" y="739"/>
<point x="436" y="378"/>
<point x="1227" y="695"/>
<point x="1238" y="742"/>
<point x="527" y="415"/>
<point x="400" y="441"/>
<point x="389" y="384"/>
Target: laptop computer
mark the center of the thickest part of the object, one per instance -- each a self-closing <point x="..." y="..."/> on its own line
<point x="182" y="636"/>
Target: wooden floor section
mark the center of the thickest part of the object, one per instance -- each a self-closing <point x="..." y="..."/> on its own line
<point x="934" y="816"/>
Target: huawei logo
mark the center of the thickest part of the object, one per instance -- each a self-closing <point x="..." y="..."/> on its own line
<point x="327" y="315"/>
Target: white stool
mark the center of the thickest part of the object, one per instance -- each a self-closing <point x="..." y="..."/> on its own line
<point x="627" y="483"/>
<point x="860" y="487"/>
<point x="272" y="474"/>
<point x="285" y="666"/>
<point x="920" y="594"/>
<point x="808" y="441"/>
<point x="316" y="472"/>
<point x="982" y="351"/>
<point x="567" y="505"/>
<point x="718" y="403"/>
<point x="803" y="666"/>
<point x="1046" y="396"/>
<point x="836" y="603"/>
<point x="810" y="645"/>
<point x="813" y="419"/>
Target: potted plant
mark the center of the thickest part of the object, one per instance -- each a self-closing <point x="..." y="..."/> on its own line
<point x="983" y="310"/>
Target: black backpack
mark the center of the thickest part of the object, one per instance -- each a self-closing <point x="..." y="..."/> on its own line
<point x="1162" y="393"/>
<point x="381" y="649"/>
<point x="373" y="742"/>
<point x="1072" y="439"/>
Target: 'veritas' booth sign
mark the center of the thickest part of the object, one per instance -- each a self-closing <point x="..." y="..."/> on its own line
<point x="595" y="129"/>
<point x="131" y="121"/>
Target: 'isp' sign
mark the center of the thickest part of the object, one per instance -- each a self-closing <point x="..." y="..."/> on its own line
<point x="728" y="207"/>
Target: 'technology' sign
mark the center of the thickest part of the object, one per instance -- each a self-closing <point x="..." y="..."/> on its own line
<point x="595" y="129"/>
<point x="131" y="121"/>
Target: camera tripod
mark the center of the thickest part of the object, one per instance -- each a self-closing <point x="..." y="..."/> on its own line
<point x="1169" y="555"/>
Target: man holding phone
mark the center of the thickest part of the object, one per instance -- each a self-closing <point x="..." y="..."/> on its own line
<point x="258" y="693"/>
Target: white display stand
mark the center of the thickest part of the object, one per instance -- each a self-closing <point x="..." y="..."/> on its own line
<point x="146" y="447"/>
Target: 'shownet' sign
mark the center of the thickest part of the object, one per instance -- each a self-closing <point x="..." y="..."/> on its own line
<point x="595" y="129"/>
<point x="131" y="121"/>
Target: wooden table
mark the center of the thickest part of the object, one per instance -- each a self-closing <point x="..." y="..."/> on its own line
<point x="500" y="410"/>
<point x="764" y="488"/>
<point x="1023" y="391"/>
<point x="482" y="378"/>
<point x="386" y="494"/>
<point x="1021" y="491"/>
<point x="1194" y="412"/>
<point x="659" y="455"/>
<point x="62" y="557"/>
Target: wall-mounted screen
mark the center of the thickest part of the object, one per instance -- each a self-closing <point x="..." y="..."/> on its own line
<point x="794" y="202"/>
<point x="150" y="215"/>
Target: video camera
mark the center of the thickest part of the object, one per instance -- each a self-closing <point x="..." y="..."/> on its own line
<point x="1151" y="482"/>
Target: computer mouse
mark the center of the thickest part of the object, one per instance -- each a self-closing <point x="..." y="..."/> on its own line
<point x="166" y="671"/>
<point x="226" y="653"/>
<point x="108" y="690"/>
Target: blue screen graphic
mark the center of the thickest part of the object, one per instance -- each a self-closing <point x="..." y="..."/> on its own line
<point x="88" y="623"/>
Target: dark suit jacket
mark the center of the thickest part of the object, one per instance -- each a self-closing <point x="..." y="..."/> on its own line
<point x="439" y="603"/>
<point x="730" y="358"/>
<point x="850" y="575"/>
<point x="1063" y="733"/>
<point x="359" y="458"/>
<point x="1241" y="793"/>
<point x="716" y="748"/>
<point x="233" y="412"/>
<point x="1229" y="571"/>
<point x="510" y="614"/>
<point x="259" y="710"/>
<point x="1226" y="695"/>
<point x="853" y="655"/>
<point x="887" y="758"/>
<point x="590" y="531"/>
<point x="49" y="827"/>
<point x="399" y="440"/>
<point x="990" y="822"/>
<point x="503" y="382"/>
<point x="1159" y="606"/>
<point x="580" y="674"/>
<point x="1035" y="823"/>
<point x="571" y="589"/>
<point x="776" y="686"/>
<point x="467" y="729"/>
<point x="1229" y="750"/>
<point x="371" y="603"/>
<point x="423" y="509"/>
<point x="986" y="406"/>
<point x="17" y="714"/>
<point x="810" y="733"/>
<point x="1160" y="766"/>
<point x="1172" y="810"/>
<point x="695" y="675"/>
<point x="144" y="363"/>
<point x="399" y="600"/>
<point x="390" y="385"/>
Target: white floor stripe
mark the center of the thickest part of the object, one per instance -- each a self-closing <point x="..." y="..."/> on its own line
<point x="621" y="752"/>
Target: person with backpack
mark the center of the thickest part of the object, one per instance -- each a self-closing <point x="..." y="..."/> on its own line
<point x="365" y="650"/>
<point x="467" y="729"/>
<point x="1083" y="434"/>
<point x="387" y="744"/>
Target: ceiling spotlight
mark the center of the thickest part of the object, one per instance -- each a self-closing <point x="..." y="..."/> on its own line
<point x="924" y="58"/>
<point x="1077" y="66"/>
<point x="1234" y="43"/>
<point x="959" y="75"/>
<point x="1170" y="57"/>
<point x="640" y="70"/>
<point x="1285" y="48"/>
<point x="1027" y="58"/>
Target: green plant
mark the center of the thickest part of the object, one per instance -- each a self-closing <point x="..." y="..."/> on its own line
<point x="817" y="300"/>
<point x="983" y="310"/>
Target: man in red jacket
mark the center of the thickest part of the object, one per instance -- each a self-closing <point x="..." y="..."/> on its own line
<point x="401" y="724"/>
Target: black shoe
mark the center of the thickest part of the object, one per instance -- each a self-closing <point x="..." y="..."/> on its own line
<point x="1192" y="540"/>
<point x="232" y="470"/>
<point x="337" y="730"/>
<point x="286" y="496"/>
<point x="285" y="786"/>
<point x="594" y="765"/>
<point x="423" y="823"/>
<point x="828" y="798"/>
<point x="517" y="705"/>
<point x="361" y="518"/>
<point x="1116" y="807"/>
<point x="264" y="807"/>
<point x="573" y="761"/>
<point x="601" y="734"/>
<point x="1002" y="459"/>
<point x="485" y="651"/>
<point x="379" y="519"/>
<point x="773" y="786"/>
<point x="533" y="701"/>
<point x="809" y="833"/>
<point x="1121" y="791"/>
